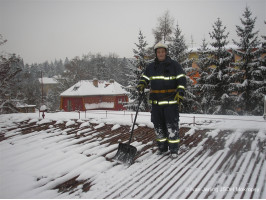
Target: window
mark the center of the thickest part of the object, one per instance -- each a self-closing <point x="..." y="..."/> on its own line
<point x="75" y="88"/>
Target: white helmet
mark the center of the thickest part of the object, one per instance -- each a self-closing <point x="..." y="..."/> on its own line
<point x="160" y="45"/>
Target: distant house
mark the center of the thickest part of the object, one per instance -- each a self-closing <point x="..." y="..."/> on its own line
<point x="194" y="54"/>
<point x="94" y="94"/>
<point x="48" y="84"/>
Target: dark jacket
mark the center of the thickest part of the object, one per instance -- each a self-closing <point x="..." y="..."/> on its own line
<point x="166" y="78"/>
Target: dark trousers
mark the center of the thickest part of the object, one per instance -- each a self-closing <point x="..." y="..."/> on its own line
<point x="165" y="119"/>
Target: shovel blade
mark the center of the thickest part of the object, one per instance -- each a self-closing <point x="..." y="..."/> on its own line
<point x="125" y="153"/>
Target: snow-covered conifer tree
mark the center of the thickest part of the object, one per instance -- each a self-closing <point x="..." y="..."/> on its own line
<point x="219" y="78"/>
<point x="113" y="67"/>
<point x="102" y="70"/>
<point x="203" y="88"/>
<point x="53" y="100"/>
<point x="137" y="67"/>
<point x="28" y="84"/>
<point x="262" y="59"/>
<point x="178" y="47"/>
<point x="251" y="81"/>
<point x="178" y="51"/>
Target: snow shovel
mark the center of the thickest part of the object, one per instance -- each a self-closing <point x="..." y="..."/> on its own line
<point x="127" y="152"/>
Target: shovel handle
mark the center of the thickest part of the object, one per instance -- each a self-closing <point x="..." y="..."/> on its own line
<point x="140" y="100"/>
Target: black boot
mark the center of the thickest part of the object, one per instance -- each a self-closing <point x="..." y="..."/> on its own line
<point x="174" y="152"/>
<point x="174" y="155"/>
<point x="162" y="147"/>
<point x="160" y="152"/>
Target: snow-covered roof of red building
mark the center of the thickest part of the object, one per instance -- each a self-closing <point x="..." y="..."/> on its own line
<point x="87" y="88"/>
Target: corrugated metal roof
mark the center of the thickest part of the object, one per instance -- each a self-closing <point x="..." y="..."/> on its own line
<point x="211" y="164"/>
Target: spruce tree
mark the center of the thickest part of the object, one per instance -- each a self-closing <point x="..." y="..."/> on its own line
<point x="102" y="70"/>
<point x="112" y="64"/>
<point x="262" y="59"/>
<point x="203" y="87"/>
<point x="29" y="85"/>
<point x="137" y="67"/>
<point x="219" y="78"/>
<point x="178" y="51"/>
<point x="124" y="70"/>
<point x="263" y="62"/>
<point x="53" y="100"/>
<point x="178" y="48"/>
<point x="251" y="85"/>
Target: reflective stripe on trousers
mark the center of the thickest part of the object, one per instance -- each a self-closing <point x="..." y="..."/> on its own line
<point x="167" y="140"/>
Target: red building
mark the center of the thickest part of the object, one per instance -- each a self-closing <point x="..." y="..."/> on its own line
<point x="94" y="95"/>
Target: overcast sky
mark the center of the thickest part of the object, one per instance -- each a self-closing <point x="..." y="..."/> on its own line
<point x="43" y="30"/>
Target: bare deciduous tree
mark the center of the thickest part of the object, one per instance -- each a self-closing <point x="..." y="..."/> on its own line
<point x="164" y="28"/>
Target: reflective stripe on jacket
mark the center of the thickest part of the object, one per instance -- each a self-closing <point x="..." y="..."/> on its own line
<point x="164" y="76"/>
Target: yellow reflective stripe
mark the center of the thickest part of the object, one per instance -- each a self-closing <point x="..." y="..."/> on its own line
<point x="163" y="102"/>
<point x="181" y="87"/>
<point x="170" y="78"/>
<point x="174" y="141"/>
<point x="166" y="102"/>
<point x="162" y="140"/>
<point x="154" y="102"/>
<point x="163" y="77"/>
<point x="173" y="102"/>
<point x="146" y="77"/>
<point x="180" y="75"/>
<point x="157" y="77"/>
<point x="167" y="77"/>
<point x="170" y="141"/>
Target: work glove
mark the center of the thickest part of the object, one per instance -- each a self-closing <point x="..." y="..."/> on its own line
<point x="179" y="97"/>
<point x="140" y="87"/>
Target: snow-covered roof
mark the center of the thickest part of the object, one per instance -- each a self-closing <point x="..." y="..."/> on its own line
<point x="228" y="47"/>
<point x="63" y="156"/>
<point x="87" y="88"/>
<point x="47" y="80"/>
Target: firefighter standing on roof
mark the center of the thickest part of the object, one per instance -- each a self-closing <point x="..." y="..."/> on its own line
<point x="168" y="81"/>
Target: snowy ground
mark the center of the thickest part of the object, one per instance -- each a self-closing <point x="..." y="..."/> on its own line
<point x="63" y="156"/>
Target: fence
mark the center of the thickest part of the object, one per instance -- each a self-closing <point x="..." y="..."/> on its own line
<point x="106" y="113"/>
